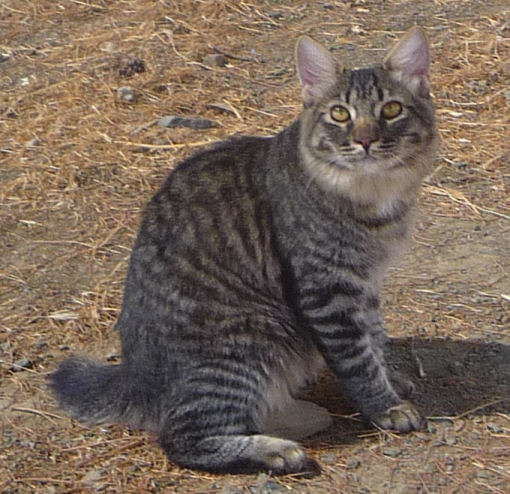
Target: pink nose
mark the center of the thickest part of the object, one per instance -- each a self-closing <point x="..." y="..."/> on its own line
<point x="365" y="142"/>
<point x="365" y="132"/>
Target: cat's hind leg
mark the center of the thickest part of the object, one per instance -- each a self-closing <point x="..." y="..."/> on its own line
<point x="240" y="454"/>
<point x="215" y="425"/>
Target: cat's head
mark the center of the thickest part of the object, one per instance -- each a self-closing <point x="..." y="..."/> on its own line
<point x="368" y="133"/>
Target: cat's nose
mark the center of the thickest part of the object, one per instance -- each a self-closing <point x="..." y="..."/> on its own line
<point x="365" y="142"/>
<point x="365" y="132"/>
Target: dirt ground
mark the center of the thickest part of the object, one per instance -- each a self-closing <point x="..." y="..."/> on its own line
<point x="80" y="156"/>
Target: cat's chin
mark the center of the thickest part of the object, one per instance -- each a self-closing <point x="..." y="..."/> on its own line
<point x="370" y="165"/>
<point x="371" y="181"/>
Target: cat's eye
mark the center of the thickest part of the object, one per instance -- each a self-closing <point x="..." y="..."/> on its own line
<point x="391" y="110"/>
<point x="340" y="113"/>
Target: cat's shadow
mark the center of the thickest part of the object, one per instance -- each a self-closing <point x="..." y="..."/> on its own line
<point x="452" y="378"/>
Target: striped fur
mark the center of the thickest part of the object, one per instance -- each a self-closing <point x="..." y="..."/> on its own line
<point x="260" y="261"/>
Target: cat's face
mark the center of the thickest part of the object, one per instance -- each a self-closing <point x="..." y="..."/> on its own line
<point x="369" y="132"/>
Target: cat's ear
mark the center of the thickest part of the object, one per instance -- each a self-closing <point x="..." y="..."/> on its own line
<point x="316" y="67"/>
<point x="409" y="62"/>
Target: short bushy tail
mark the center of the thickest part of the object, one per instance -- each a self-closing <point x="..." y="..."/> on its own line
<point x="90" y="391"/>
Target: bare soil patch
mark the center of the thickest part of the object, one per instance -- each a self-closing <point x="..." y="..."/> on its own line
<point x="78" y="161"/>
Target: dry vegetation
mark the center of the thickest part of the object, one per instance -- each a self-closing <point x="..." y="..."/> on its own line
<point x="77" y="164"/>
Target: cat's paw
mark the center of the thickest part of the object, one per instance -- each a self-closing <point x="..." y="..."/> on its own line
<point x="283" y="457"/>
<point x="404" y="417"/>
<point x="404" y="387"/>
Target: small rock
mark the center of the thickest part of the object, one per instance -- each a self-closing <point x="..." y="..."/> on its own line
<point x="496" y="429"/>
<point x="273" y="486"/>
<point x="5" y="346"/>
<point x="180" y="29"/>
<point x="451" y="441"/>
<point x="228" y="489"/>
<point x="223" y="108"/>
<point x="92" y="476"/>
<point x="32" y="143"/>
<point x="131" y="66"/>
<point x="170" y="121"/>
<point x="483" y="474"/>
<point x="328" y="458"/>
<point x="107" y="47"/>
<point x="216" y="60"/>
<point x="112" y="357"/>
<point x="507" y="97"/>
<point x="264" y="485"/>
<point x="352" y="463"/>
<point x="21" y="365"/>
<point x="431" y="429"/>
<point x="40" y="345"/>
<point x="127" y="94"/>
<point x="392" y="452"/>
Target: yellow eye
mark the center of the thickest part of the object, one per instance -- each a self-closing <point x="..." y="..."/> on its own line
<point x="340" y="113"/>
<point x="391" y="110"/>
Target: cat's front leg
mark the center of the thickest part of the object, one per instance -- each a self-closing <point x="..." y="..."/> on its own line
<point x="346" y="325"/>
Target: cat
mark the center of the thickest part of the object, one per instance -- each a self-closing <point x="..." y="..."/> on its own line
<point x="259" y="262"/>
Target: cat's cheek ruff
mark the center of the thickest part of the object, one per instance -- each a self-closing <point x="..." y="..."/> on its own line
<point x="381" y="188"/>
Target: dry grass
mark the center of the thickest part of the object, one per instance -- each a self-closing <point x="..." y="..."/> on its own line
<point x="77" y="164"/>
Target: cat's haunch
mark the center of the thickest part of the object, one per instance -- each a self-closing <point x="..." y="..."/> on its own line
<point x="259" y="262"/>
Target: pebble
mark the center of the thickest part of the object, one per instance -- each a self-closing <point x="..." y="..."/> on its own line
<point x="131" y="66"/>
<point x="40" y="345"/>
<point x="264" y="485"/>
<point x="494" y="428"/>
<point x="228" y="489"/>
<point x="5" y="346"/>
<point x="392" y="452"/>
<point x="170" y="121"/>
<point x="328" y="458"/>
<point x="92" y="476"/>
<point x="107" y="47"/>
<point x="216" y="60"/>
<point x="21" y="365"/>
<point x="352" y="463"/>
<point x="113" y="357"/>
<point x="32" y="143"/>
<point x="127" y="94"/>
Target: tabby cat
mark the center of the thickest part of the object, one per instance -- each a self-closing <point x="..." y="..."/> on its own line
<point x="260" y="261"/>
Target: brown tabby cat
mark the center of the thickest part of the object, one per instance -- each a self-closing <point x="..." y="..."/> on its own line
<point x="258" y="262"/>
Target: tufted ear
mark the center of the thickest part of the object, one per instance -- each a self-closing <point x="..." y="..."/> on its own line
<point x="316" y="67"/>
<point x="409" y="62"/>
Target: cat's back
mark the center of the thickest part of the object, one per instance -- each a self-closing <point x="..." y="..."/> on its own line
<point x="225" y="170"/>
<point x="209" y="227"/>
